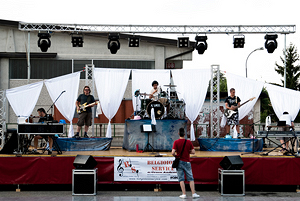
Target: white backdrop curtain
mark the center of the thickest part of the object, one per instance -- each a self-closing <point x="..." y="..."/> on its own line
<point x="245" y="88"/>
<point x="24" y="98"/>
<point x="192" y="87"/>
<point x="142" y="80"/>
<point x="283" y="99"/>
<point x="66" y="102"/>
<point x="111" y="85"/>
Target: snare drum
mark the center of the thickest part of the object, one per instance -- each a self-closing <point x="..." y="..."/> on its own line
<point x="159" y="109"/>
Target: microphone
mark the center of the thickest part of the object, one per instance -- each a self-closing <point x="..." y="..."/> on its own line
<point x="63" y="91"/>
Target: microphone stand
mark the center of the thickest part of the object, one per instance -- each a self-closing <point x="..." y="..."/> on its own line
<point x="252" y="128"/>
<point x="51" y="107"/>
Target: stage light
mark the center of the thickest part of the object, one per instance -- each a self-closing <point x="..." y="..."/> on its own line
<point x="183" y="42"/>
<point x="133" y="42"/>
<point x="238" y="41"/>
<point x="77" y="41"/>
<point x="113" y="44"/>
<point x="271" y="43"/>
<point x="44" y="42"/>
<point x="201" y="44"/>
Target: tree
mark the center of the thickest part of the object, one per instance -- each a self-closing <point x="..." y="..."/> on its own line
<point x="292" y="70"/>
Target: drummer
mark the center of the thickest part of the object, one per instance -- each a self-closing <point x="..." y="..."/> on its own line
<point x="155" y="91"/>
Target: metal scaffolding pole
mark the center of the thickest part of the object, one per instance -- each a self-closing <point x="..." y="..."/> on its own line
<point x="215" y="101"/>
<point x="2" y="118"/>
<point x="89" y="81"/>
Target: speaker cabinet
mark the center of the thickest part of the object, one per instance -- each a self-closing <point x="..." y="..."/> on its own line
<point x="84" y="182"/>
<point x="84" y="162"/>
<point x="232" y="163"/>
<point x="232" y="182"/>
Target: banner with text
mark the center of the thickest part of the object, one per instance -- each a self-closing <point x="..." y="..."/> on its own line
<point x="144" y="169"/>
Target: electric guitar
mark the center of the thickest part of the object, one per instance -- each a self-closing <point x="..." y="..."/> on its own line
<point x="82" y="107"/>
<point x="228" y="113"/>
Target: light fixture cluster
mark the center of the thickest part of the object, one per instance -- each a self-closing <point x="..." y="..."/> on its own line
<point x="183" y="42"/>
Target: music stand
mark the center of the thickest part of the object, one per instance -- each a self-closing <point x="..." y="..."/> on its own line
<point x="148" y="128"/>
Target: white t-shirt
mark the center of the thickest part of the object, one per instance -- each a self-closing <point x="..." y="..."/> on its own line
<point x="155" y="95"/>
<point x="287" y="118"/>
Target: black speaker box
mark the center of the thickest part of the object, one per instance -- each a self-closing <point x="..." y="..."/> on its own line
<point x="232" y="163"/>
<point x="84" y="162"/>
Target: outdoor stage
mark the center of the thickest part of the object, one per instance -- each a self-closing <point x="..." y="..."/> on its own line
<point x="43" y="169"/>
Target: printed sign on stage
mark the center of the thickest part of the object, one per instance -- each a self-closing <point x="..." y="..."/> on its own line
<point x="144" y="169"/>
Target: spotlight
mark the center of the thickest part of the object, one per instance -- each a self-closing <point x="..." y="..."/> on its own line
<point x="77" y="41"/>
<point x="44" y="42"/>
<point x="201" y="44"/>
<point x="183" y="42"/>
<point x="133" y="42"/>
<point x="113" y="43"/>
<point x="238" y="41"/>
<point x="271" y="43"/>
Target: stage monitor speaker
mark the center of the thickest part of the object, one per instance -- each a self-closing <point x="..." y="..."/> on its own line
<point x="84" y="162"/>
<point x="232" y="163"/>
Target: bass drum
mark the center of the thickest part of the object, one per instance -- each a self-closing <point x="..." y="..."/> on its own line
<point x="159" y="109"/>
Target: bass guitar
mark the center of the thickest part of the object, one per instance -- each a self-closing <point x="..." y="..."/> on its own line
<point x="82" y="107"/>
<point x="228" y="113"/>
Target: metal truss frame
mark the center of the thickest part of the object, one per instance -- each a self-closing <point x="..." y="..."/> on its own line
<point x="159" y="29"/>
<point x="2" y="118"/>
<point x="90" y="81"/>
<point x="215" y="101"/>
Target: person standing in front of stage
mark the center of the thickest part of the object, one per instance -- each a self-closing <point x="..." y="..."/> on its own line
<point x="290" y="126"/>
<point x="155" y="91"/>
<point x="85" y="117"/>
<point x="42" y="115"/>
<point x="184" y="166"/>
<point x="233" y="102"/>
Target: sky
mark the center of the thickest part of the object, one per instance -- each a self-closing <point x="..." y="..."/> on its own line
<point x="220" y="50"/>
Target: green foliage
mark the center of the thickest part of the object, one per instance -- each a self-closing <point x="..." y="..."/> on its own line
<point x="266" y="107"/>
<point x="292" y="69"/>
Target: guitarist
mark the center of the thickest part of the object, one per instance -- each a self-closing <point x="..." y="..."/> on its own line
<point x="85" y="117"/>
<point x="233" y="102"/>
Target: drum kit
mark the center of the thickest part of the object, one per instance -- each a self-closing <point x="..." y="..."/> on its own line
<point x="166" y="105"/>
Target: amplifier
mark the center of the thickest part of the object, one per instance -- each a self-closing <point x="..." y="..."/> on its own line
<point x="84" y="182"/>
<point x="232" y="182"/>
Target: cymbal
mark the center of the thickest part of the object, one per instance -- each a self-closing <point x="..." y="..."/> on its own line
<point x="170" y="85"/>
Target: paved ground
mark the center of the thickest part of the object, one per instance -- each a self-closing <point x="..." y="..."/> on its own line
<point x="143" y="196"/>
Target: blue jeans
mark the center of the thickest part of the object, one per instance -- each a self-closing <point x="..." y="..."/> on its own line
<point x="184" y="167"/>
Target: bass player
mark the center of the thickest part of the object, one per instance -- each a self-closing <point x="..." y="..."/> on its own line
<point x="233" y="102"/>
<point x="85" y="117"/>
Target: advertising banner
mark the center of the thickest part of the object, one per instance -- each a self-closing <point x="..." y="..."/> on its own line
<point x="144" y="169"/>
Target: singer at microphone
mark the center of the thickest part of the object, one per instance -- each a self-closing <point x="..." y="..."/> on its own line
<point x="155" y="91"/>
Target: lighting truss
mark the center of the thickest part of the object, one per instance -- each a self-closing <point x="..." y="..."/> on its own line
<point x="159" y="29"/>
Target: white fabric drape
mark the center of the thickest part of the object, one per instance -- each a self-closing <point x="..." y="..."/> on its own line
<point x="192" y="87"/>
<point x="245" y="88"/>
<point x="24" y="98"/>
<point x="142" y="80"/>
<point x="283" y="99"/>
<point x="111" y="85"/>
<point x="66" y="102"/>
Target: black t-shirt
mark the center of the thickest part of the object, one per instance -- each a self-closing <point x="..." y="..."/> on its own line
<point x="232" y="101"/>
<point x="86" y="99"/>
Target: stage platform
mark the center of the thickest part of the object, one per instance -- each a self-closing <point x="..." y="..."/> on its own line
<point x="274" y="169"/>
